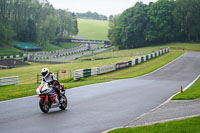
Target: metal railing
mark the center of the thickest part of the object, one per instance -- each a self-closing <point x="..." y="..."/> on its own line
<point x="9" y="81"/>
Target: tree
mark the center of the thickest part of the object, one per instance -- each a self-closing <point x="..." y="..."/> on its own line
<point x="160" y="27"/>
<point x="187" y="14"/>
<point x="114" y="30"/>
<point x="75" y="24"/>
<point x="110" y="17"/>
<point x="2" y="33"/>
<point x="25" y="20"/>
<point x="128" y="30"/>
<point x="91" y="15"/>
<point x="48" y="30"/>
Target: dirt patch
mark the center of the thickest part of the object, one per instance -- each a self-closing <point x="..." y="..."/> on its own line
<point x="10" y="63"/>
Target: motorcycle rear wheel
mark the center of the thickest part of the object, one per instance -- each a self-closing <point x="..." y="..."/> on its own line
<point x="44" y="106"/>
<point x="63" y="105"/>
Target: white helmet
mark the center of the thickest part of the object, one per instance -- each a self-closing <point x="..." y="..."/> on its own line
<point x="45" y="72"/>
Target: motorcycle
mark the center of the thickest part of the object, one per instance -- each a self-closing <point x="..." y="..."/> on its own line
<point x="48" y="98"/>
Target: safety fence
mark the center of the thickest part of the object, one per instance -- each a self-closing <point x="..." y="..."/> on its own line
<point x="9" y="81"/>
<point x="12" y="56"/>
<point x="59" y="53"/>
<point x="83" y="73"/>
<point x="50" y="54"/>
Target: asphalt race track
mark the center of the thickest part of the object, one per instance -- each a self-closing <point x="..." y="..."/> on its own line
<point x="96" y="108"/>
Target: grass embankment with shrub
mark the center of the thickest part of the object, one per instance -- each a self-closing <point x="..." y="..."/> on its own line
<point x="191" y="93"/>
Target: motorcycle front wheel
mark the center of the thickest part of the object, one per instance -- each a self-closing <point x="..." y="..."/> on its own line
<point x="44" y="106"/>
<point x="63" y="105"/>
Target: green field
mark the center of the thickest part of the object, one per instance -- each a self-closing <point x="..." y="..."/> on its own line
<point x="6" y="51"/>
<point x="67" y="45"/>
<point x="186" y="46"/>
<point x="190" y="125"/>
<point x="93" y="29"/>
<point x="27" y="74"/>
<point x="9" y="50"/>
<point x="51" y="47"/>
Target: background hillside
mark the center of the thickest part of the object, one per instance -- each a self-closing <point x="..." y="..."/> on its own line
<point x="93" y="29"/>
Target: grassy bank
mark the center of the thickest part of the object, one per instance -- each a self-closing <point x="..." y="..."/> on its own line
<point x="191" y="93"/>
<point x="182" y="126"/>
<point x="18" y="91"/>
<point x="27" y="74"/>
<point x="6" y="51"/>
<point x="51" y="47"/>
<point x="141" y="69"/>
<point x="28" y="77"/>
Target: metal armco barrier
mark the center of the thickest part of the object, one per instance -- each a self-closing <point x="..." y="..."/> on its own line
<point x="81" y="73"/>
<point x="106" y="69"/>
<point x="9" y="81"/>
<point x="94" y="71"/>
<point x="122" y="65"/>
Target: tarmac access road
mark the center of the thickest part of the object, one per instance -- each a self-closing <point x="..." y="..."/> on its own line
<point x="96" y="108"/>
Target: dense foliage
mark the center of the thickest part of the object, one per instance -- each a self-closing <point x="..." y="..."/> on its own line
<point x="161" y="22"/>
<point x="91" y="15"/>
<point x="34" y="21"/>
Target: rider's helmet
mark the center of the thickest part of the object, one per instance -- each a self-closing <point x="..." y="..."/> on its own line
<point x="45" y="72"/>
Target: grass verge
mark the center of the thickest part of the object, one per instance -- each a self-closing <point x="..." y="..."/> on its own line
<point x="6" y="51"/>
<point x="18" y="91"/>
<point x="190" y="125"/>
<point x="141" y="69"/>
<point x="191" y="93"/>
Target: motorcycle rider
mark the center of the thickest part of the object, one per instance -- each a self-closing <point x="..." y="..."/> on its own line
<point x="50" y="78"/>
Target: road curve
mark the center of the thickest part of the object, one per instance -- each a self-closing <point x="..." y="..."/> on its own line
<point x="96" y="108"/>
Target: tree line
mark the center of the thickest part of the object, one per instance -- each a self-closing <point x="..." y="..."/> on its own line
<point x="91" y="15"/>
<point x="34" y="21"/>
<point x="161" y="22"/>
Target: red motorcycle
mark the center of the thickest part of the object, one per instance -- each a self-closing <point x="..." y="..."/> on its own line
<point x="48" y="98"/>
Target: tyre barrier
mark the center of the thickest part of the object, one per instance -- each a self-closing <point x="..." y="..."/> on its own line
<point x="82" y="73"/>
